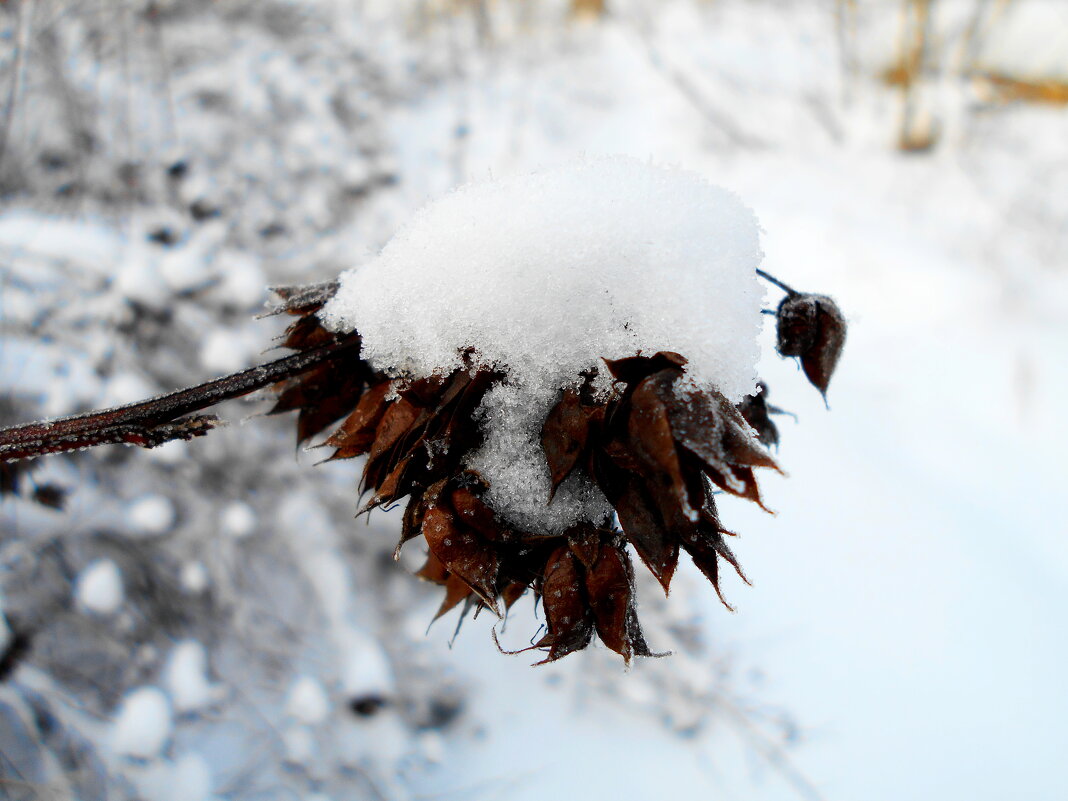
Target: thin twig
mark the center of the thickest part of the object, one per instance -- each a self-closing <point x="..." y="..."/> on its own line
<point x="22" y="42"/>
<point x="773" y="280"/>
<point x="151" y="422"/>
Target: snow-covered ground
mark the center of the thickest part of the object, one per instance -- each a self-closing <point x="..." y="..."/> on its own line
<point x="909" y="595"/>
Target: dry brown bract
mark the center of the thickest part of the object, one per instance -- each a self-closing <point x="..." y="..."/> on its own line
<point x="658" y="448"/>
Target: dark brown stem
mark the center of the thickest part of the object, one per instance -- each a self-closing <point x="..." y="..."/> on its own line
<point x="773" y="280"/>
<point x="157" y="420"/>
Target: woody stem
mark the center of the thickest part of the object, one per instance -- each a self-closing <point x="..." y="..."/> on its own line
<point x="149" y="422"/>
<point x="773" y="280"/>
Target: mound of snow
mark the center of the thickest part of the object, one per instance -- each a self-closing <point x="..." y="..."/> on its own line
<point x="307" y="701"/>
<point x="544" y="275"/>
<point x="143" y="724"/>
<point x="98" y="588"/>
<point x="547" y="273"/>
<point x="186" y="677"/>
<point x="151" y="515"/>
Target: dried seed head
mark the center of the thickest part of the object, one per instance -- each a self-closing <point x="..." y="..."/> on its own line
<point x="812" y="327"/>
<point x="655" y="444"/>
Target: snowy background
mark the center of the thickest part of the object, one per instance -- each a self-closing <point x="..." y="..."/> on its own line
<point x="207" y="620"/>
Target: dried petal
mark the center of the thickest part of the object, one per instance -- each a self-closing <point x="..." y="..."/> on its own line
<point x="462" y="553"/>
<point x="754" y="408"/>
<point x="567" y="615"/>
<point x="357" y="433"/>
<point x="433" y="570"/>
<point x="456" y="590"/>
<point x="303" y="299"/>
<point x="563" y="437"/>
<point x="608" y="584"/>
<point x="634" y="368"/>
<point x="584" y="540"/>
<point x="473" y="512"/>
<point x="651" y="439"/>
<point x="645" y="530"/>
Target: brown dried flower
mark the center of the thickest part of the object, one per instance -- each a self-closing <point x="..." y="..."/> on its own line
<point x="656" y="445"/>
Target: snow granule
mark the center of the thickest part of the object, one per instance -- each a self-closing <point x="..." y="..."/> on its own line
<point x="307" y="701"/>
<point x="186" y="677"/>
<point x="143" y="724"/>
<point x="544" y="275"/>
<point x="191" y="779"/>
<point x="152" y="515"/>
<point x="194" y="577"/>
<point x="237" y="519"/>
<point x="364" y="666"/>
<point x="98" y="588"/>
<point x="299" y="745"/>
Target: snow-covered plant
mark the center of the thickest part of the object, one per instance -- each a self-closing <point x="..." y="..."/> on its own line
<point x="548" y="369"/>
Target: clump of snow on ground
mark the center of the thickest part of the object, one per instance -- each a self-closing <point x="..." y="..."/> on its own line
<point x="544" y="275"/>
<point x="186" y="677"/>
<point x="143" y="724"/>
<point x="307" y="701"/>
<point x="99" y="587"/>
<point x="237" y="519"/>
<point x="152" y="515"/>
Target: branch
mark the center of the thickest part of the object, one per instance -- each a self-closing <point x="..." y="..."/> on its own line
<point x="157" y="420"/>
<point x="771" y="279"/>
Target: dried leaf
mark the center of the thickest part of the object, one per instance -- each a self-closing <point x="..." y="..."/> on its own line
<point x="411" y="521"/>
<point x="644" y="527"/>
<point x="634" y="368"/>
<point x="462" y="553"/>
<point x="329" y="405"/>
<point x="473" y="512"/>
<point x="398" y="419"/>
<point x="563" y="437"/>
<point x="651" y="439"/>
<point x="567" y="616"/>
<point x="710" y="427"/>
<point x="355" y="436"/>
<point x="303" y="299"/>
<point x="456" y="590"/>
<point x="754" y="408"/>
<point x="608" y="585"/>
<point x="584" y="540"/>
<point x="306" y="333"/>
<point x="433" y="570"/>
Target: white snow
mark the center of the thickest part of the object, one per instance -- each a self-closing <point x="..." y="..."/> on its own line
<point x="98" y="588"/>
<point x="237" y="520"/>
<point x="143" y="724"/>
<point x="186" y="677"/>
<point x="299" y="744"/>
<point x="546" y="274"/>
<point x="513" y="460"/>
<point x="307" y="701"/>
<point x="194" y="577"/>
<point x="228" y="351"/>
<point x="365" y="668"/>
<point x="191" y="778"/>
<point x="151" y="515"/>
